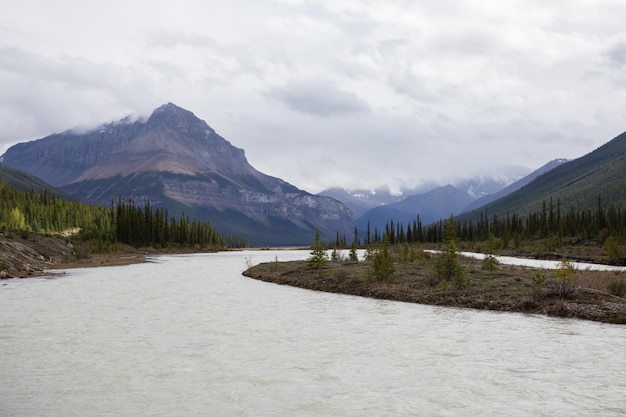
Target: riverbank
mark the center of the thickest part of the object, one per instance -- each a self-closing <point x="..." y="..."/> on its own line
<point x="508" y="288"/>
<point x="32" y="255"/>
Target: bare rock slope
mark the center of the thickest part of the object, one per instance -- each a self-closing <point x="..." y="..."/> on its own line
<point x="177" y="161"/>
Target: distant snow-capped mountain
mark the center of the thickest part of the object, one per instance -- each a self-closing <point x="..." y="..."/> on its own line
<point x="362" y="200"/>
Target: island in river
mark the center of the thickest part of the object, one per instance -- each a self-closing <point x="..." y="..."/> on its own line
<point x="508" y="288"/>
<point x="583" y="295"/>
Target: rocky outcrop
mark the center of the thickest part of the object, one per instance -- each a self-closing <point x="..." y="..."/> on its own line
<point x="175" y="160"/>
<point x="30" y="254"/>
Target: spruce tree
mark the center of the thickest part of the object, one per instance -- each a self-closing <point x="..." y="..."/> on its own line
<point x="319" y="257"/>
<point x="447" y="264"/>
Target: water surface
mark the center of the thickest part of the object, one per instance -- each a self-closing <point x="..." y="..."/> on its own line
<point x="190" y="336"/>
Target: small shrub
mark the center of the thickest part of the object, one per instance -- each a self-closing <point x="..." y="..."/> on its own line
<point x="564" y="280"/>
<point x="448" y="267"/>
<point x="539" y="279"/>
<point x="613" y="250"/>
<point x="490" y="263"/>
<point x="383" y="265"/>
<point x="382" y="262"/>
<point x="444" y="287"/>
<point x="616" y="287"/>
<point x="353" y="256"/>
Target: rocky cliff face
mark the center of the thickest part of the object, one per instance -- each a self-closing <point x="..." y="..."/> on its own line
<point x="177" y="161"/>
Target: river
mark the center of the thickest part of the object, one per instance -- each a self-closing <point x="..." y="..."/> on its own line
<point x="190" y="336"/>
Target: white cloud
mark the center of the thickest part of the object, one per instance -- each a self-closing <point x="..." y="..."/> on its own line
<point x="318" y="98"/>
<point x="325" y="93"/>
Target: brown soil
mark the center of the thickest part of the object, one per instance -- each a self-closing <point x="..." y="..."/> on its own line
<point x="32" y="254"/>
<point x="509" y="288"/>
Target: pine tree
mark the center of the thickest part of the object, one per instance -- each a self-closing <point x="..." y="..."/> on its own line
<point x="447" y="264"/>
<point x="382" y="262"/>
<point x="353" y="256"/>
<point x="319" y="257"/>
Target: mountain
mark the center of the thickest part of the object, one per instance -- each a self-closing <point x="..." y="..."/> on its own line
<point x="500" y="176"/>
<point x="177" y="161"/>
<point x="430" y="207"/>
<point x="26" y="182"/>
<point x="514" y="186"/>
<point x="575" y="184"/>
<point x="362" y="200"/>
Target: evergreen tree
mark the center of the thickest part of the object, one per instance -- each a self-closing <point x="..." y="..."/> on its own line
<point x="319" y="257"/>
<point x="490" y="263"/>
<point x="353" y="255"/>
<point x="382" y="262"/>
<point x="447" y="264"/>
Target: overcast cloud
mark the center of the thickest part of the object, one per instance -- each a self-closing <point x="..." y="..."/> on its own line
<point x="329" y="93"/>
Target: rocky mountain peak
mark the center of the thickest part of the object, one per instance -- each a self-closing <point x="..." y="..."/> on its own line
<point x="175" y="160"/>
<point x="180" y="120"/>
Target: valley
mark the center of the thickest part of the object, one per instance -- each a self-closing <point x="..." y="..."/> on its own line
<point x="170" y="183"/>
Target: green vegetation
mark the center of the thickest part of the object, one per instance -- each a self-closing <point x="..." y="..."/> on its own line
<point x="382" y="262"/>
<point x="577" y="183"/>
<point x="490" y="263"/>
<point x="406" y="272"/>
<point x="617" y="287"/>
<point x="43" y="212"/>
<point x="319" y="257"/>
<point x="510" y="288"/>
<point x="549" y="230"/>
<point x="564" y="279"/>
<point x="104" y="228"/>
<point x="447" y="265"/>
<point x="143" y="226"/>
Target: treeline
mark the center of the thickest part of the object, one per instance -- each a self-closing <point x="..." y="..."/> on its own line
<point x="143" y="226"/>
<point x="550" y="222"/>
<point x="124" y="222"/>
<point x="42" y="212"/>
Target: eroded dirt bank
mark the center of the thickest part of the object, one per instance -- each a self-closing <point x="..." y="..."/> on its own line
<point x="29" y="255"/>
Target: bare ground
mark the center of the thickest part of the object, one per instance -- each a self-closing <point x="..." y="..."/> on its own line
<point x="509" y="288"/>
<point x="29" y="255"/>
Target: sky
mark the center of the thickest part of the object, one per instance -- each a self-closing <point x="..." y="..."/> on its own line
<point x="323" y="93"/>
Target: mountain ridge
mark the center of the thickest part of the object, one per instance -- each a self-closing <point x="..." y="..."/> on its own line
<point x="582" y="183"/>
<point x="430" y="206"/>
<point x="176" y="159"/>
<point x="514" y="186"/>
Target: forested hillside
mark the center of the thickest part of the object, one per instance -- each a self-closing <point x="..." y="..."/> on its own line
<point x="576" y="184"/>
<point x="179" y="163"/>
<point x="103" y="227"/>
<point x="26" y="182"/>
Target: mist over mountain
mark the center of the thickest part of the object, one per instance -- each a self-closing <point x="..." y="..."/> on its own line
<point x="431" y="206"/>
<point x="361" y="201"/>
<point x="177" y="161"/>
<point x="441" y="202"/>
<point x="597" y="178"/>
<point x="514" y="186"/>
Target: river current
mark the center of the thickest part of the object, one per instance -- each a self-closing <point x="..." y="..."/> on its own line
<point x="190" y="336"/>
